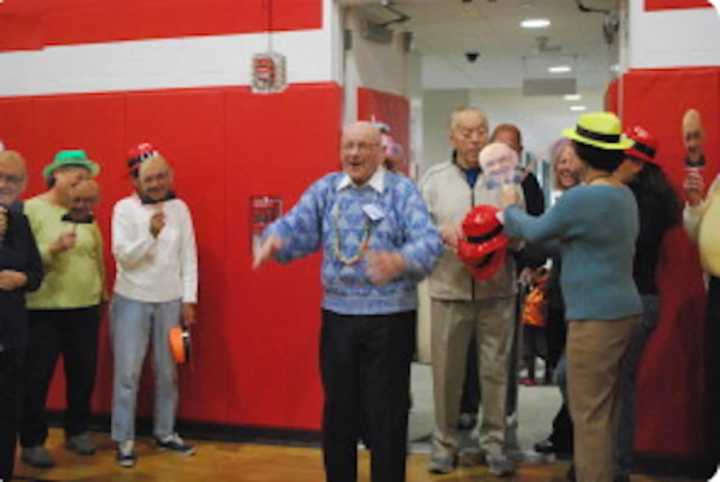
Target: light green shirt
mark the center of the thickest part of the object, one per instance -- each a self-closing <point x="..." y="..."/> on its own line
<point x="73" y="278"/>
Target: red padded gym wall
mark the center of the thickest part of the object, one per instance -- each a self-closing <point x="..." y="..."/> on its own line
<point x="672" y="409"/>
<point x="255" y="344"/>
<point x="33" y="24"/>
<point x="651" y="5"/>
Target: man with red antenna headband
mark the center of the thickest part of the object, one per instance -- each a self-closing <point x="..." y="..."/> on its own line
<point x="153" y="242"/>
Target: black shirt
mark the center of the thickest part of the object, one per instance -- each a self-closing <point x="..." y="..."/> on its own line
<point x="18" y="252"/>
<point x="654" y="222"/>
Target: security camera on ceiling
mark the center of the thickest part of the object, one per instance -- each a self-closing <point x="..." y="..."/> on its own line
<point x="472" y="56"/>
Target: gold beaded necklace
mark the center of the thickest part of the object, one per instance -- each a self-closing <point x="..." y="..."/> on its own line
<point x="364" y="244"/>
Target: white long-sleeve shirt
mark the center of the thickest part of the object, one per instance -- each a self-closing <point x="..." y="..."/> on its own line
<point x="150" y="269"/>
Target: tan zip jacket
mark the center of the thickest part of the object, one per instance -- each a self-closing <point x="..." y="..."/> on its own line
<point x="449" y="198"/>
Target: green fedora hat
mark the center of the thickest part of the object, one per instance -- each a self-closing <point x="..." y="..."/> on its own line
<point x="599" y="129"/>
<point x="74" y="157"/>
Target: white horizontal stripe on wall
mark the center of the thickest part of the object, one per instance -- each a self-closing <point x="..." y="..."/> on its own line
<point x="673" y="38"/>
<point x="162" y="64"/>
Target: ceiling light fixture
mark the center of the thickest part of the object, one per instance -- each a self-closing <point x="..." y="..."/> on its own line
<point x="572" y="97"/>
<point x="535" y="23"/>
<point x="578" y="108"/>
<point x="560" y="69"/>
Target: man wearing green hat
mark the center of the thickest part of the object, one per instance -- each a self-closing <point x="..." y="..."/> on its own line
<point x="64" y="313"/>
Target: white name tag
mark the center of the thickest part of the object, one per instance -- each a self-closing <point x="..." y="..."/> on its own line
<point x="373" y="212"/>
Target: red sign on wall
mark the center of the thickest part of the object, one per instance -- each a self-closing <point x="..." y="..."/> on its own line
<point x="675" y="4"/>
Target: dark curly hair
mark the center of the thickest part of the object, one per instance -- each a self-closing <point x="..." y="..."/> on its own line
<point x="656" y="197"/>
<point x="601" y="159"/>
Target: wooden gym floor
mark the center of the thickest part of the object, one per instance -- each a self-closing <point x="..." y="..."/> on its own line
<point x="220" y="461"/>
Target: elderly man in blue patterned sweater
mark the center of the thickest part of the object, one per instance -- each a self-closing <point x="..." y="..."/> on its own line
<point x="378" y="241"/>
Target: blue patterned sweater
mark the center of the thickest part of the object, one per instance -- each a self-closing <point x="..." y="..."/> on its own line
<point x="402" y="223"/>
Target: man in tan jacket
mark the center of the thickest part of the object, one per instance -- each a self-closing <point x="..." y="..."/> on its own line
<point x="463" y="308"/>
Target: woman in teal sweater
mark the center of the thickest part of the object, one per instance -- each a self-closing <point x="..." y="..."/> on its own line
<point x="593" y="228"/>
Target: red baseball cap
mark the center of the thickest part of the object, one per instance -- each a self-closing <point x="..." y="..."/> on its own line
<point x="645" y="146"/>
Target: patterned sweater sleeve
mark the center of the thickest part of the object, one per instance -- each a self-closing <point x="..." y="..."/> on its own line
<point x="301" y="229"/>
<point x="545" y="229"/>
<point x="423" y="245"/>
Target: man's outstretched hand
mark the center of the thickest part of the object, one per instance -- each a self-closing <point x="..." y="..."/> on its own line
<point x="267" y="249"/>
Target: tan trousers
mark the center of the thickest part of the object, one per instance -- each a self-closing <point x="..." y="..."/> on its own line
<point x="595" y="352"/>
<point x="453" y="325"/>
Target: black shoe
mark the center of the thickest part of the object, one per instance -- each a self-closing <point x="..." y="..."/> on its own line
<point x="548" y="447"/>
<point x="621" y="478"/>
<point x="570" y="476"/>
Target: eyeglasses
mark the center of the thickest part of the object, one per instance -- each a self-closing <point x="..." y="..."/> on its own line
<point x="360" y="146"/>
<point x="12" y="178"/>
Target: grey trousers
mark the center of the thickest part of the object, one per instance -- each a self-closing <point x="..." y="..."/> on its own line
<point x="454" y="323"/>
<point x="133" y="325"/>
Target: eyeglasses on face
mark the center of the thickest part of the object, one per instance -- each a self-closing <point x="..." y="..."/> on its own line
<point x="12" y="178"/>
<point x="360" y="146"/>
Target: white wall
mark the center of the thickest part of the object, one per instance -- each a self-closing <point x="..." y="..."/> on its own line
<point x="541" y="119"/>
<point x="436" y="109"/>
<point x="372" y="65"/>
<point x="672" y="38"/>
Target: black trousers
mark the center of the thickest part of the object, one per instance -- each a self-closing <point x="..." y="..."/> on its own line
<point x="562" y="435"/>
<point x="72" y="333"/>
<point x="556" y="331"/>
<point x="713" y="356"/>
<point x="470" y="401"/>
<point x="556" y="334"/>
<point x="365" y="367"/>
<point x="10" y="387"/>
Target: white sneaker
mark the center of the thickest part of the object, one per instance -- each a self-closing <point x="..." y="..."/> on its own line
<point x="500" y="465"/>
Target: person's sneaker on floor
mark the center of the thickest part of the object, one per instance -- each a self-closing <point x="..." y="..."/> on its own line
<point x="621" y="478"/>
<point x="125" y="454"/>
<point x="471" y="456"/>
<point x="175" y="444"/>
<point x="520" y="456"/>
<point x="37" y="456"/>
<point x="548" y="447"/>
<point x="442" y="464"/>
<point x="500" y="465"/>
<point x="81" y="444"/>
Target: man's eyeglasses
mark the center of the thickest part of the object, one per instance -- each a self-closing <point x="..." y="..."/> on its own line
<point x="12" y="178"/>
<point x="360" y="146"/>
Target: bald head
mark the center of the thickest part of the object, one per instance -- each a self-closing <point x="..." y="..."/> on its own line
<point x="468" y="135"/>
<point x="155" y="178"/>
<point x="362" y="129"/>
<point x="12" y="177"/>
<point x="361" y="151"/>
<point x="693" y="135"/>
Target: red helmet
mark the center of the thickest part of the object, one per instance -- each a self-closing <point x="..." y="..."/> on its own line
<point x="484" y="248"/>
<point x="646" y="144"/>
